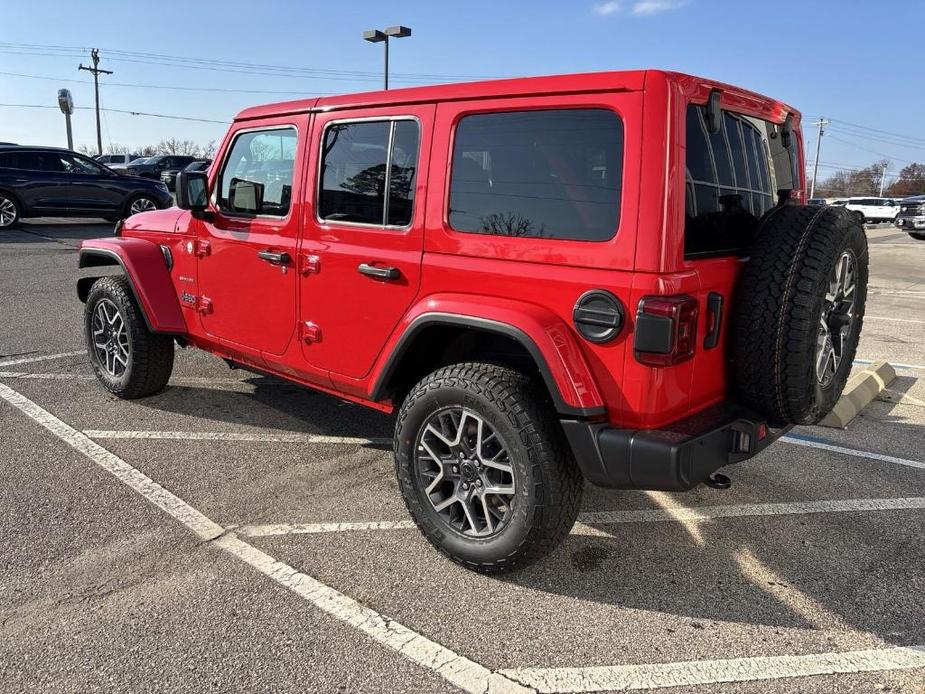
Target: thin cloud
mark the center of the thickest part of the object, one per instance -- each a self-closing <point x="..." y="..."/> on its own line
<point x="606" y="8"/>
<point x="644" y="7"/>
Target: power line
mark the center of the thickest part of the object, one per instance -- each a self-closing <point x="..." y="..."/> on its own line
<point x="870" y="151"/>
<point x="164" y="86"/>
<point x="231" y="66"/>
<point x="867" y="137"/>
<point x="876" y="130"/>
<point x="122" y="110"/>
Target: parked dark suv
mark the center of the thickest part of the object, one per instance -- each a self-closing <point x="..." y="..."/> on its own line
<point x="169" y="177"/>
<point x="47" y="181"/>
<point x="158" y="164"/>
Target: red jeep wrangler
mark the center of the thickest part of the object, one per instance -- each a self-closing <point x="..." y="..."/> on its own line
<point x="605" y="277"/>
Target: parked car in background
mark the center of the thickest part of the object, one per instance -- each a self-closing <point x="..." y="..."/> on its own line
<point x="48" y="181"/>
<point x="154" y="166"/>
<point x="817" y="202"/>
<point x="116" y="162"/>
<point x="169" y="177"/>
<point x="874" y="210"/>
<point x="911" y="217"/>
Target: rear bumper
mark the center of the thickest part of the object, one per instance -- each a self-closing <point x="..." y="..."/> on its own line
<point x="676" y="458"/>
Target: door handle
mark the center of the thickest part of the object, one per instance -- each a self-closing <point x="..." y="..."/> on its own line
<point x="275" y="258"/>
<point x="380" y="273"/>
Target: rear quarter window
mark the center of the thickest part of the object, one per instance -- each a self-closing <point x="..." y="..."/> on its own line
<point x="732" y="178"/>
<point x="554" y="174"/>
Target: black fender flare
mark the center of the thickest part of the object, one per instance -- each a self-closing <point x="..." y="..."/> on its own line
<point x="428" y="320"/>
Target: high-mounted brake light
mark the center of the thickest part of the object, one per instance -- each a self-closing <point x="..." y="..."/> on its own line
<point x="666" y="329"/>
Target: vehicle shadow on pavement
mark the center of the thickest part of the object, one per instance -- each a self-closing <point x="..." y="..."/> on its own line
<point x="27" y="232"/>
<point x="282" y="407"/>
<point x="834" y="573"/>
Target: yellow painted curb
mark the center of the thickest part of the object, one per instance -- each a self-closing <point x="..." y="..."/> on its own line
<point x="861" y="389"/>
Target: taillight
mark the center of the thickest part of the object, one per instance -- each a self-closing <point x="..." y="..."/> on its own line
<point x="666" y="329"/>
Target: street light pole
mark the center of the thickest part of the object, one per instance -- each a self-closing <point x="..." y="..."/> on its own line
<point x="66" y="104"/>
<point x="380" y="36"/>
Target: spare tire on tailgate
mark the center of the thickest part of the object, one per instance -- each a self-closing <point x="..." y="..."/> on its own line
<point x="798" y="313"/>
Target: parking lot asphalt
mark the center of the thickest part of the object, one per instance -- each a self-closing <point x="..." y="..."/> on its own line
<point x="236" y="533"/>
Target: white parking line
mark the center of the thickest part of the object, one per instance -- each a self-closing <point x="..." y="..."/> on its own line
<point x="895" y="320"/>
<point x="202" y="381"/>
<point x="456" y="669"/>
<point x="462" y="672"/>
<point x="811" y="443"/>
<point x="141" y="483"/>
<point x="649" y="515"/>
<point x="234" y="436"/>
<point x="46" y="357"/>
<point x="317" y="528"/>
<point x="698" y="672"/>
<point x="895" y="365"/>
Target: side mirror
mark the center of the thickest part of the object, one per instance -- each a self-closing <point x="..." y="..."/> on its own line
<point x="192" y="190"/>
<point x="245" y="196"/>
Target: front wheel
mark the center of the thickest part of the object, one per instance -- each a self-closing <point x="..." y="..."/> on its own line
<point x="129" y="360"/>
<point x="917" y="235"/>
<point x="484" y="468"/>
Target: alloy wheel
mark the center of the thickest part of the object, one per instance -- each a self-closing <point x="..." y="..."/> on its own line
<point x="110" y="338"/>
<point x="837" y="318"/>
<point x="142" y="205"/>
<point x="466" y="472"/>
<point x="7" y="212"/>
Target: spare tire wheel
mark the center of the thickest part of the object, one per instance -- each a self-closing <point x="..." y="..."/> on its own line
<point x="799" y="310"/>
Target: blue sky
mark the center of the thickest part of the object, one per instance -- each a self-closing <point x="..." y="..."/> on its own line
<point x="857" y="62"/>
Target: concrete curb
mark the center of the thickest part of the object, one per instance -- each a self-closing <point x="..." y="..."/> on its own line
<point x="861" y="389"/>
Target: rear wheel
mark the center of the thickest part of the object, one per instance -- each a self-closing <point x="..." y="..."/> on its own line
<point x="129" y="360"/>
<point x="483" y="467"/>
<point x="799" y="313"/>
<point x="9" y="211"/>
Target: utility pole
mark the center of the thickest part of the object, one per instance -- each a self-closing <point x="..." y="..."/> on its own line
<point x="882" y="181"/>
<point x="822" y="122"/>
<point x="96" y="71"/>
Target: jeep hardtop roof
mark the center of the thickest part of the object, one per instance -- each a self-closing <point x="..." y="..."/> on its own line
<point x="626" y="80"/>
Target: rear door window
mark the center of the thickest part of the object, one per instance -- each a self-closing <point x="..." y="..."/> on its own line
<point x="554" y="174"/>
<point x="369" y="172"/>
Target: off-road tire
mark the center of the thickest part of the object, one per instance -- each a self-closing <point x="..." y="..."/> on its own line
<point x="548" y="483"/>
<point x="780" y="303"/>
<point x="150" y="360"/>
<point x="917" y="235"/>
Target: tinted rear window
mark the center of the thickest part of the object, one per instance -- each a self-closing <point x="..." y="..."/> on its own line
<point x="732" y="179"/>
<point x="545" y="174"/>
